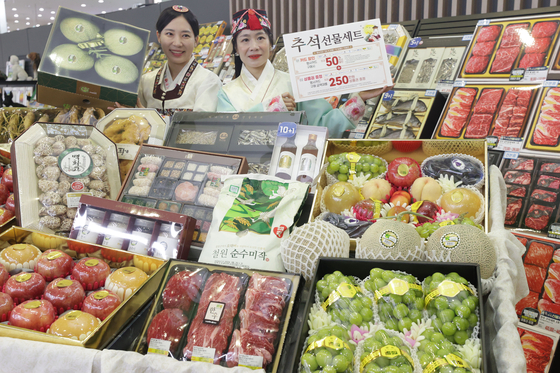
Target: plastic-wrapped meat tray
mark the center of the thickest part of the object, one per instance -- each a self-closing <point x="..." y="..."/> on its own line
<point x="533" y="185"/>
<point x="545" y="131"/>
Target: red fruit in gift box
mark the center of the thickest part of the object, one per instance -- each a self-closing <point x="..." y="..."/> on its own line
<point x="395" y="210"/>
<point x="25" y="286"/>
<point x="54" y="264"/>
<point x="404" y="146"/>
<point x="6" y="306"/>
<point x="33" y="314"/>
<point x="400" y="198"/>
<point x="4" y="275"/>
<point x="101" y="303"/>
<point x="5" y="215"/>
<point x="65" y="295"/>
<point x="10" y="203"/>
<point x="367" y="210"/>
<point x="117" y="256"/>
<point x="8" y="180"/>
<point x="91" y="273"/>
<point x="427" y="208"/>
<point x="403" y="171"/>
<point x="4" y="194"/>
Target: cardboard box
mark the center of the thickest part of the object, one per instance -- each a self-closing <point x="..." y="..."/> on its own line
<point x="360" y="268"/>
<point x="385" y="150"/>
<point x="111" y="326"/>
<point x="175" y="266"/>
<point x="79" y="171"/>
<point x="135" y="229"/>
<point x="91" y="61"/>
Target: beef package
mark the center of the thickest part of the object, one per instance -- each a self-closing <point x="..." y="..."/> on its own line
<point x="544" y="133"/>
<point x="539" y="347"/>
<point x="541" y="308"/>
<point x="477" y="111"/>
<point x="259" y="322"/>
<point x="532" y="192"/>
<point x="212" y="326"/>
<point x="503" y="45"/>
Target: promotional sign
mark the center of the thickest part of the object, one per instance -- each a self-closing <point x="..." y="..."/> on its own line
<point x="337" y="60"/>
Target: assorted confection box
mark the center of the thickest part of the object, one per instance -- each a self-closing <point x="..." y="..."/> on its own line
<point x="180" y="181"/>
<point x="396" y="40"/>
<point x="393" y="177"/>
<point x="198" y="308"/>
<point x="133" y="229"/>
<point x="381" y="287"/>
<point x="53" y="166"/>
<point x="64" y="291"/>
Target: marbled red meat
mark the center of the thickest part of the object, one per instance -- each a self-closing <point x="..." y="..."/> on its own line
<point x="544" y="195"/>
<point x="549" y="306"/>
<point x="512" y="33"/>
<point x="532" y="60"/>
<point x="544" y="29"/>
<point x="223" y="288"/>
<point x="246" y="343"/>
<point x="505" y="57"/>
<point x="512" y="113"/>
<point x="547" y="129"/>
<point x="168" y="325"/>
<point x="518" y="177"/>
<point x="181" y="290"/>
<point x="535" y="277"/>
<point x="488" y="33"/>
<point x="539" y="254"/>
<point x="540" y="45"/>
<point x="548" y="182"/>
<point x="530" y="301"/>
<point x="488" y="100"/>
<point x="476" y="64"/>
<point x="512" y="210"/>
<point x="523" y="240"/>
<point x="478" y="126"/>
<point x="483" y="49"/>
<point x="516" y="191"/>
<point x="455" y="119"/>
<point x="537" y="349"/>
<point x="522" y="164"/>
<point x="551" y="167"/>
<point x="538" y="217"/>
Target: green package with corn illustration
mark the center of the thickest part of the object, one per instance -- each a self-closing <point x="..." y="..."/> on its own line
<point x="253" y="215"/>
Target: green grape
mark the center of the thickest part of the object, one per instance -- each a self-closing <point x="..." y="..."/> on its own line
<point x="348" y="355"/>
<point x="460" y="370"/>
<point x="369" y="285"/>
<point x="330" y="170"/>
<point x="425" y="360"/>
<point x="437" y="324"/>
<point x="442" y="352"/>
<point x="409" y="297"/>
<point x="374" y="168"/>
<point x="382" y="362"/>
<point x="343" y="169"/>
<point x="437" y="337"/>
<point x="396" y="299"/>
<point x="405" y="369"/>
<point x="340" y="363"/>
<point x="377" y="161"/>
<point x="333" y="158"/>
<point x="359" y="167"/>
<point x="325" y="293"/>
<point x="379" y="283"/>
<point x="342" y="177"/>
<point x="321" y="284"/>
<point x="388" y="275"/>
<point x="474" y="299"/>
<point x="446" y="369"/>
<point x="367" y="302"/>
<point x="460" y="323"/>
<point x="391" y="369"/>
<point x="441" y="303"/>
<point x="334" y="166"/>
<point x="430" y="348"/>
<point x="439" y="277"/>
<point x="375" y="273"/>
<point x="469" y="302"/>
<point x="308" y="361"/>
<point x="460" y="337"/>
<point x="367" y="314"/>
<point x="366" y="167"/>
<point x="405" y="323"/>
<point x="463" y="311"/>
<point x="382" y="169"/>
<point x="450" y="338"/>
<point x="473" y="320"/>
<point x="330" y="278"/>
<point x="382" y="336"/>
<point x="392" y="324"/>
<point x="415" y="315"/>
<point x="324" y="358"/>
<point x="373" y="368"/>
<point x="448" y="328"/>
<point x="400" y="311"/>
<point x="446" y="315"/>
<point x="355" y="318"/>
<point x="454" y="303"/>
<point x="329" y="369"/>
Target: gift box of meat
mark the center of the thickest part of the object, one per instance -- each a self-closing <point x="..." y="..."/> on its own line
<point x="361" y="272"/>
<point x="221" y="315"/>
<point x="180" y="181"/>
<point x="541" y="308"/>
<point x="91" y="61"/>
<point x="429" y="61"/>
<point x="532" y="192"/>
<point x="133" y="229"/>
<point x="404" y="114"/>
<point x="539" y="347"/>
<point x="396" y="40"/>
<point x="64" y="291"/>
<point x="543" y="133"/>
<point x="477" y="111"/>
<point x="501" y="46"/>
<point x="53" y="165"/>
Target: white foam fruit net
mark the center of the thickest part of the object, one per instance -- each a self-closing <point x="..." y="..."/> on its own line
<point x="414" y="253"/>
<point x="301" y="251"/>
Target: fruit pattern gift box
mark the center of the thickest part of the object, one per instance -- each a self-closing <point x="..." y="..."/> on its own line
<point x="91" y="61"/>
<point x="63" y="291"/>
<point x="365" y="180"/>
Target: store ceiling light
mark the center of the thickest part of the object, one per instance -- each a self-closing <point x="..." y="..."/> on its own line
<point x="103" y="12"/>
<point x="83" y="5"/>
<point x="16" y="15"/>
<point x="27" y="23"/>
<point x="101" y="1"/>
<point x="52" y="18"/>
<point x="14" y="9"/>
<point x="16" y="21"/>
<point x="41" y="9"/>
<point x="53" y="12"/>
<point x="39" y="15"/>
<point x="37" y="25"/>
<point x="120" y="8"/>
<point x="27" y="18"/>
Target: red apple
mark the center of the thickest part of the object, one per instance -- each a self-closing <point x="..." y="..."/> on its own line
<point x="4" y="193"/>
<point x="6" y="306"/>
<point x="33" y="314"/>
<point x="400" y="197"/>
<point x="91" y="273"/>
<point x="10" y="203"/>
<point x="4" y="275"/>
<point x="428" y="209"/>
<point x="25" y="286"/>
<point x="65" y="295"/>
<point x="403" y="171"/>
<point x="394" y="211"/>
<point x="8" y="180"/>
<point x="54" y="264"/>
<point x="5" y="215"/>
<point x="101" y="303"/>
<point x="405" y="146"/>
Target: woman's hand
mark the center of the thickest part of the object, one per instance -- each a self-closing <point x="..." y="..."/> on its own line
<point x="371" y="93"/>
<point x="289" y="101"/>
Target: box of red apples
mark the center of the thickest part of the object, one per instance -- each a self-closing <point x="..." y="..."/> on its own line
<point x="7" y="205"/>
<point x="541" y="307"/>
<point x="58" y="290"/>
<point x="199" y="307"/>
<point x="370" y="179"/>
<point x="538" y="348"/>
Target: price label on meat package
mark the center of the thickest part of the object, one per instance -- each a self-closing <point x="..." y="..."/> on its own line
<point x="250" y="361"/>
<point x="159" y="347"/>
<point x="204" y="354"/>
<point x="337" y="60"/>
<point x="550" y="321"/>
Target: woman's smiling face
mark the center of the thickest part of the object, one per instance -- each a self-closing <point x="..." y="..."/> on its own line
<point x="178" y="41"/>
<point x="253" y="47"/>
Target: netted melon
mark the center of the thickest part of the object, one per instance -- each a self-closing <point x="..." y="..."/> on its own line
<point x="391" y="240"/>
<point x="301" y="251"/>
<point x="462" y="243"/>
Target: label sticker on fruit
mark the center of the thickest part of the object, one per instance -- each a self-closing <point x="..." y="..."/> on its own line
<point x="388" y="239"/>
<point x="396" y="286"/>
<point x="203" y="354"/>
<point x="160" y="347"/>
<point x="450" y="240"/>
<point x="449" y="359"/>
<point x="337" y="60"/>
<point x="54" y="255"/>
<point x="91" y="263"/>
<point x="448" y="289"/>
<point x="23" y="277"/>
<point x="344" y="290"/>
<point x="75" y="163"/>
<point x="72" y="315"/>
<point x="389" y="352"/>
<point x="250" y="361"/>
<point x="101" y="294"/>
<point x="214" y="313"/>
<point x="63" y="283"/>
<point x="331" y="342"/>
<point x="32" y="305"/>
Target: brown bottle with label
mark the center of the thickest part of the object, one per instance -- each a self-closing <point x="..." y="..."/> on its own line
<point x="308" y="160"/>
<point x="287" y="158"/>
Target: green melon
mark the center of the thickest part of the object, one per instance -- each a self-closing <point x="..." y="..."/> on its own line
<point x="464" y="244"/>
<point x="389" y="239"/>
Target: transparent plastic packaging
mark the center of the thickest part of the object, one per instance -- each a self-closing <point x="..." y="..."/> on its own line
<point x="329" y="349"/>
<point x="385" y="351"/>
